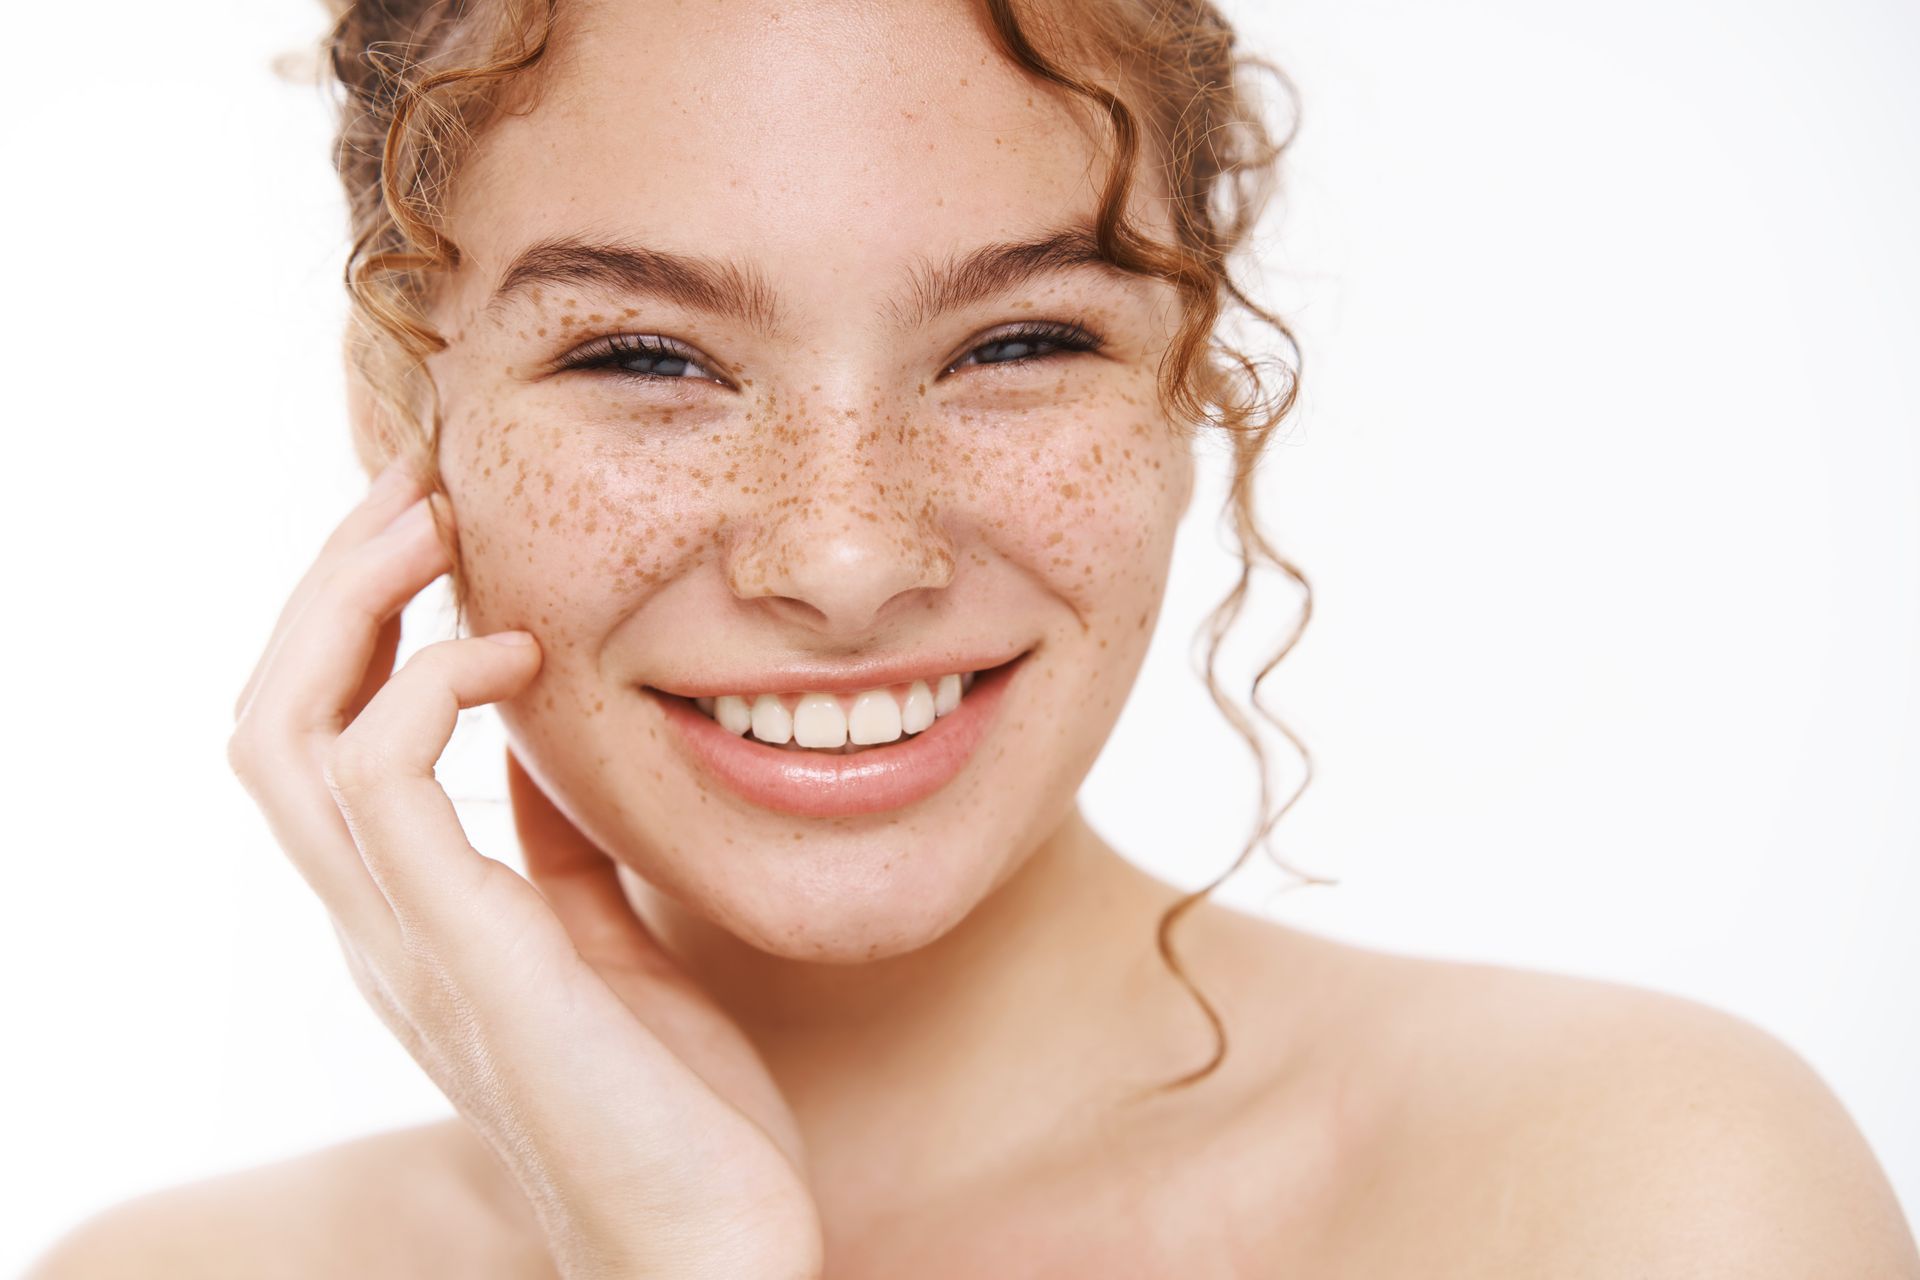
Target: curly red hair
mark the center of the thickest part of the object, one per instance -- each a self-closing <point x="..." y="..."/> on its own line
<point x="422" y="78"/>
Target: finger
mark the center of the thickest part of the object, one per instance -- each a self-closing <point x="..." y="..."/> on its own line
<point x="579" y="882"/>
<point x="380" y="771"/>
<point x="285" y="779"/>
<point x="275" y="749"/>
<point x="581" y="885"/>
<point x="323" y="664"/>
<point x="390" y="494"/>
<point x="386" y="643"/>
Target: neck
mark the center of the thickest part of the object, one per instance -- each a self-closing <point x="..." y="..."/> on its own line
<point x="1049" y="995"/>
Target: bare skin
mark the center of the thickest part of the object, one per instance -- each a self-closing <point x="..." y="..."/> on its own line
<point x="1414" y="1119"/>
<point x="954" y="1000"/>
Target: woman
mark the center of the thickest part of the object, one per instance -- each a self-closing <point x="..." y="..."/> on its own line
<point x="789" y="384"/>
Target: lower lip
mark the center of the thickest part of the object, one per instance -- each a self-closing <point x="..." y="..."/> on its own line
<point x="819" y="785"/>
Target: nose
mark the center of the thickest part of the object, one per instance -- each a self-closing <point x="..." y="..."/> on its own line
<point x="848" y="533"/>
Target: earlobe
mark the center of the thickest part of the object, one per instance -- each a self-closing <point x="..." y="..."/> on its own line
<point x="379" y="437"/>
<point x="364" y="418"/>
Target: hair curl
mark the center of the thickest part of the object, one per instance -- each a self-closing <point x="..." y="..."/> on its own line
<point x="422" y="78"/>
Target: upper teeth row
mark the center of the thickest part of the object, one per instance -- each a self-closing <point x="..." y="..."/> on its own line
<point x="820" y="720"/>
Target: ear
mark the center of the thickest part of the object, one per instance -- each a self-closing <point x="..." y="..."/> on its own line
<point x="377" y="438"/>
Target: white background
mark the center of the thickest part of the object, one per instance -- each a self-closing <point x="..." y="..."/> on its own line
<point x="1605" y="474"/>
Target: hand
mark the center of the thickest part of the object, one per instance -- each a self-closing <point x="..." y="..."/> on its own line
<point x="637" y="1119"/>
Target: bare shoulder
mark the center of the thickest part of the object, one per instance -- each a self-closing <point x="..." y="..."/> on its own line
<point x="1507" y="1121"/>
<point x="1633" y="1128"/>
<point x="409" y="1202"/>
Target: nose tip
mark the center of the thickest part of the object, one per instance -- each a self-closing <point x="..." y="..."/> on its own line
<point x="843" y="575"/>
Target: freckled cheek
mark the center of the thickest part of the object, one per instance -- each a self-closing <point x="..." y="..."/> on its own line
<point x="555" y="534"/>
<point x="1093" y="510"/>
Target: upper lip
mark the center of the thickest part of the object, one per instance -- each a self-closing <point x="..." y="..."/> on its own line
<point x="842" y="677"/>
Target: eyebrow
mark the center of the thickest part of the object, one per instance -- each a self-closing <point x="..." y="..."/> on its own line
<point x="738" y="291"/>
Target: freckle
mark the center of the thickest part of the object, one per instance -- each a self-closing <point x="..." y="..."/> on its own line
<point x="541" y="333"/>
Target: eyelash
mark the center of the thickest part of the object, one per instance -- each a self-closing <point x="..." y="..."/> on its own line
<point x="606" y="354"/>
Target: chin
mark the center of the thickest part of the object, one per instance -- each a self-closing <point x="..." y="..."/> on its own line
<point x="852" y="900"/>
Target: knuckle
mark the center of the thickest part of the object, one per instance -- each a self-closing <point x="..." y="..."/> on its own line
<point x="352" y="763"/>
<point x="353" y="588"/>
<point x="362" y="585"/>
<point x="250" y="751"/>
<point x="241" y="754"/>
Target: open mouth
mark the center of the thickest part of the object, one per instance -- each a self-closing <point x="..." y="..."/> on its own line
<point x="844" y="725"/>
<point x="840" y="777"/>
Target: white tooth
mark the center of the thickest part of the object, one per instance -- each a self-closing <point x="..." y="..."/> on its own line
<point x="917" y="714"/>
<point x="875" y="718"/>
<point x="730" y="709"/>
<point x="705" y="704"/>
<point x="966" y="682"/>
<point x="819" y="722"/>
<point x="947" y="696"/>
<point x="771" y="723"/>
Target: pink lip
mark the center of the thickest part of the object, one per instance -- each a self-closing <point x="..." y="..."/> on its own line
<point x="818" y="785"/>
<point x="839" y="677"/>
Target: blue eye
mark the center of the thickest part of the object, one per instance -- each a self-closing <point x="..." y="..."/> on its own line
<point x="1032" y="341"/>
<point x="636" y="356"/>
<point x="653" y="359"/>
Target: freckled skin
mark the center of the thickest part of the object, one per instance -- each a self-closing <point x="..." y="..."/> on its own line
<point x="832" y="492"/>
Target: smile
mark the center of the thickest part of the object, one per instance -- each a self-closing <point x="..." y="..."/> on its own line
<point x="829" y="722"/>
<point x="804" y="753"/>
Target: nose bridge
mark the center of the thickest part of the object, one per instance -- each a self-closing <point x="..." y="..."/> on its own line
<point x="845" y="521"/>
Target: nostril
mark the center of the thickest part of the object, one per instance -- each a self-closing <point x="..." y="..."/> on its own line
<point x="844" y="574"/>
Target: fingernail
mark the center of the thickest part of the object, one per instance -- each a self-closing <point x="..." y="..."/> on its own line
<point x="510" y="637"/>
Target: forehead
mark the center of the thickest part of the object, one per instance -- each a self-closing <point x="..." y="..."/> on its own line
<point x="816" y="138"/>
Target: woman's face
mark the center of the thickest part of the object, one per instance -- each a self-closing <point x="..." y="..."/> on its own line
<point x="812" y="448"/>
